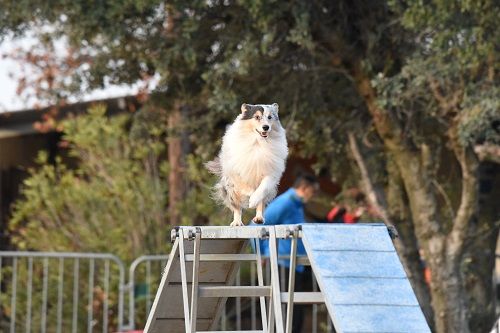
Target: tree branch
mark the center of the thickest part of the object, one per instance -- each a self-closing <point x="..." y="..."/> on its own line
<point x="447" y="103"/>
<point x="414" y="175"/>
<point x="469" y="196"/>
<point x="445" y="196"/>
<point x="366" y="181"/>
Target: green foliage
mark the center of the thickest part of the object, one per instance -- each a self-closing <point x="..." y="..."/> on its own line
<point x="114" y="200"/>
<point x="198" y="207"/>
<point x="480" y="121"/>
<point x="446" y="93"/>
<point x="456" y="62"/>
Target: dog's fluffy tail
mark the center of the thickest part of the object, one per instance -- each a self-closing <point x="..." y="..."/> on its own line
<point x="219" y="192"/>
<point x="214" y="166"/>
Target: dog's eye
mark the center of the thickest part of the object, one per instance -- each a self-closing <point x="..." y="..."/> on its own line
<point x="269" y="117"/>
<point x="257" y="117"/>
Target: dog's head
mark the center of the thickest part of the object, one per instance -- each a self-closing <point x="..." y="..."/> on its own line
<point x="260" y="118"/>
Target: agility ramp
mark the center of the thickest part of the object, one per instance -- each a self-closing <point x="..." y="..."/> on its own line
<point x="361" y="279"/>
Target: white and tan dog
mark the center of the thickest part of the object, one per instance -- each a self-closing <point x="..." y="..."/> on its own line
<point x="251" y="161"/>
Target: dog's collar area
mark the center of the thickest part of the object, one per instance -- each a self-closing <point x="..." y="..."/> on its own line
<point x="263" y="134"/>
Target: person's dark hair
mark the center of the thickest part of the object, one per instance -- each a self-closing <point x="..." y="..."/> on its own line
<point x="305" y="180"/>
<point x="360" y="197"/>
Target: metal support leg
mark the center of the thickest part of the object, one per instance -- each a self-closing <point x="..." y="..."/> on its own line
<point x="291" y="281"/>
<point x="185" y="297"/>
<point x="314" y="307"/>
<point x="270" y="323"/>
<point x="275" y="283"/>
<point x="194" y="290"/>
<point x="260" y="279"/>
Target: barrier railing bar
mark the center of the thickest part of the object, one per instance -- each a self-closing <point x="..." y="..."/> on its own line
<point x="91" y="296"/>
<point x="43" y="322"/>
<point x="106" y="297"/>
<point x="76" y="272"/>
<point x="29" y="291"/>
<point x="13" y="296"/>
<point x="60" y="289"/>
<point x="148" y="282"/>
<point x="57" y="255"/>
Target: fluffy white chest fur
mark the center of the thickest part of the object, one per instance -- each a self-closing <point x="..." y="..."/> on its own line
<point x="251" y="161"/>
<point x="249" y="158"/>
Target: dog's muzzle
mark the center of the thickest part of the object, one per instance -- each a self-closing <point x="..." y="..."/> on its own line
<point x="263" y="134"/>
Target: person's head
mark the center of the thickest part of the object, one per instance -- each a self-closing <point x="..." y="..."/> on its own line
<point x="306" y="186"/>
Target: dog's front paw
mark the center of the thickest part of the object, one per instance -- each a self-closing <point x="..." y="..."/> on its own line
<point x="254" y="200"/>
<point x="236" y="223"/>
<point x="258" y="220"/>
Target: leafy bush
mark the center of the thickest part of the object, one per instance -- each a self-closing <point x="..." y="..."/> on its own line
<point x="114" y="200"/>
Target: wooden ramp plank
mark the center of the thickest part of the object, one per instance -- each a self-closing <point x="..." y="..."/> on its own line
<point x="364" y="284"/>
<point x="167" y="314"/>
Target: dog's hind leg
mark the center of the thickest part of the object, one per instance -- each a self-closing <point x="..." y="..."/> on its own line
<point x="259" y="214"/>
<point x="233" y="201"/>
<point x="236" y="217"/>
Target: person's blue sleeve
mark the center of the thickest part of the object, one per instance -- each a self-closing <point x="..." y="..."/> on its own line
<point x="274" y="214"/>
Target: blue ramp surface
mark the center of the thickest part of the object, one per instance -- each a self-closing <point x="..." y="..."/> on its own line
<point x="363" y="282"/>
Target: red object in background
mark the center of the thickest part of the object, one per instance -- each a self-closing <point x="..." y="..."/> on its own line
<point x="427" y="275"/>
<point x="333" y="213"/>
<point x="350" y="218"/>
<point x="340" y="215"/>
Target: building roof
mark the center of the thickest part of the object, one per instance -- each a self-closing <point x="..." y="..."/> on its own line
<point x="20" y="123"/>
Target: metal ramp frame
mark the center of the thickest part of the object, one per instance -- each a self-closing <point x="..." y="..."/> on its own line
<point x="357" y="268"/>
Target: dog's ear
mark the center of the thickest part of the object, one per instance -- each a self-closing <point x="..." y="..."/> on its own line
<point x="276" y="107"/>
<point x="245" y="107"/>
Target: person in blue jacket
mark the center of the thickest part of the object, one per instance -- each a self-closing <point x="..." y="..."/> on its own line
<point x="288" y="208"/>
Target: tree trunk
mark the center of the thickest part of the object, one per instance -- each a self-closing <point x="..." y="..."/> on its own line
<point x="394" y="211"/>
<point x="480" y="251"/>
<point x="448" y="292"/>
<point x="477" y="276"/>
<point x="407" y="247"/>
<point x="176" y="188"/>
<point x="443" y="250"/>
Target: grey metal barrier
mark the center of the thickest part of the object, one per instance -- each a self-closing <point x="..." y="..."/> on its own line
<point x="144" y="278"/>
<point x="86" y="292"/>
<point x="60" y="292"/>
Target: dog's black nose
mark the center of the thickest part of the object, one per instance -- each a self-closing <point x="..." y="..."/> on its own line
<point x="265" y="127"/>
